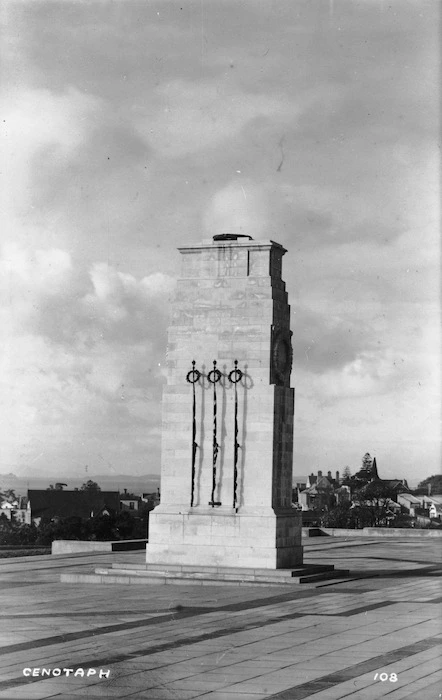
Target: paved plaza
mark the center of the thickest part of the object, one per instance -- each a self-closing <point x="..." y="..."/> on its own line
<point x="376" y="633"/>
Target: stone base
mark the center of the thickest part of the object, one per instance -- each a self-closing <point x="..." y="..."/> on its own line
<point x="215" y="537"/>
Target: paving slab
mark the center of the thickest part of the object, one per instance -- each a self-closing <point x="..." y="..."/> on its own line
<point x="376" y="633"/>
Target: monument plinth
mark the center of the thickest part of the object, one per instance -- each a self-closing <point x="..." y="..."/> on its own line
<point x="227" y="431"/>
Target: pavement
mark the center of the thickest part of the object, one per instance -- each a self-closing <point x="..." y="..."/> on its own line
<point x="376" y="633"/>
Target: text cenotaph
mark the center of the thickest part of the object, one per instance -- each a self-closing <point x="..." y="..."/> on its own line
<point x="227" y="432"/>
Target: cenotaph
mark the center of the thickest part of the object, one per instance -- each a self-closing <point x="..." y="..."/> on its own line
<point x="228" y="407"/>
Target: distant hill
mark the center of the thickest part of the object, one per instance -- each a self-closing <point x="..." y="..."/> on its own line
<point x="107" y="482"/>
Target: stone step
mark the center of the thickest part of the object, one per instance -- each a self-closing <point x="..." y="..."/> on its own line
<point x="214" y="570"/>
<point x="124" y="575"/>
<point x="198" y="575"/>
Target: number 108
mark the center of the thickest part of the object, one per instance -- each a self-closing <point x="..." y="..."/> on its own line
<point x="385" y="677"/>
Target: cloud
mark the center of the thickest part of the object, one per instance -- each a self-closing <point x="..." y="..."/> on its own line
<point x="125" y="309"/>
<point x="39" y="125"/>
<point x="191" y="116"/>
<point x="369" y="374"/>
<point x="240" y="207"/>
<point x="184" y="116"/>
<point x="323" y="341"/>
<point x="42" y="270"/>
<point x="82" y="360"/>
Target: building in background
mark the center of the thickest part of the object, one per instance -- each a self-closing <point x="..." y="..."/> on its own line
<point x="53" y="503"/>
<point x="131" y="502"/>
<point x="17" y="509"/>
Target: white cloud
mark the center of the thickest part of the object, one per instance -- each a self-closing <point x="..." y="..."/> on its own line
<point x="77" y="363"/>
<point x="240" y="207"/>
<point x="35" y="118"/>
<point x="368" y="374"/>
<point x="185" y="116"/>
<point x="190" y="116"/>
<point x="38" y="123"/>
<point x="42" y="270"/>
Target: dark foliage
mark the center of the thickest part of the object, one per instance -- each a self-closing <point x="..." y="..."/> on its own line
<point x="341" y="515"/>
<point x="373" y="503"/>
<point x="122" y="526"/>
<point x="14" y="533"/>
<point x="90" y="486"/>
<point x="435" y="482"/>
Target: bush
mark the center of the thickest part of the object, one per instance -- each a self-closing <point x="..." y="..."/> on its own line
<point x="403" y="520"/>
<point x="343" y="515"/>
<point x="122" y="526"/>
<point x="15" y="533"/>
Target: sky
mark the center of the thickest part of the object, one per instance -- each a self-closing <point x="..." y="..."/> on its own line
<point x="130" y="128"/>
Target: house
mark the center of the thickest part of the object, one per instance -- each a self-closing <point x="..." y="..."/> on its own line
<point x="436" y="511"/>
<point x="396" y="485"/>
<point x="319" y="496"/>
<point x="409" y="503"/>
<point x="152" y="499"/>
<point x="18" y="509"/>
<point x="312" y="478"/>
<point x="434" y="506"/>
<point x="6" y="509"/>
<point x="128" y="501"/>
<point x="22" y="513"/>
<point x="53" y="503"/>
<point x="394" y="507"/>
<point x="428" y="501"/>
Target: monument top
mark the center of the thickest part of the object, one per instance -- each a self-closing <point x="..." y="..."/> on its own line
<point x="231" y="236"/>
<point x="233" y="240"/>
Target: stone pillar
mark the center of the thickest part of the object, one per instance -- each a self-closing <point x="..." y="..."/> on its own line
<point x="230" y="304"/>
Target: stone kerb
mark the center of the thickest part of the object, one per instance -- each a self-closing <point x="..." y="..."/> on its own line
<point x="381" y="532"/>
<point x="77" y="546"/>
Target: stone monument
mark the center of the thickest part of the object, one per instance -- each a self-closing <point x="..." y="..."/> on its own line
<point x="227" y="431"/>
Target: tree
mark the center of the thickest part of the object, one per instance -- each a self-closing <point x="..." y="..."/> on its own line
<point x="5" y="529"/>
<point x="71" y="528"/>
<point x="47" y="531"/>
<point x="375" y="498"/>
<point x="9" y="495"/>
<point x="432" y="484"/>
<point x="124" y="525"/>
<point x="13" y="533"/>
<point x="365" y="474"/>
<point x="367" y="463"/>
<point x="90" y="486"/>
<point x="102" y="527"/>
<point x="346" y="476"/>
<point x="339" y="516"/>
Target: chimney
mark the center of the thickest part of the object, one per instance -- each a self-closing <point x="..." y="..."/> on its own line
<point x="429" y="489"/>
<point x="125" y="490"/>
<point x="329" y="475"/>
<point x="319" y="473"/>
<point x="337" y="477"/>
